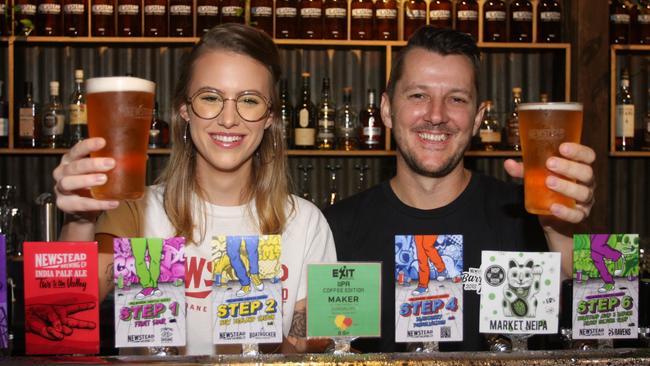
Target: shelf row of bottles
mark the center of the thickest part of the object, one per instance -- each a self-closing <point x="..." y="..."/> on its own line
<point x="631" y="134"/>
<point x="629" y="22"/>
<point x="292" y="19"/>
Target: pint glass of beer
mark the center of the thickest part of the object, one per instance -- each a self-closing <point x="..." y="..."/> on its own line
<point x="120" y="110"/>
<point x="543" y="127"/>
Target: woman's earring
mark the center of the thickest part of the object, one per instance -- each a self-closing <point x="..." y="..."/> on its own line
<point x="187" y="131"/>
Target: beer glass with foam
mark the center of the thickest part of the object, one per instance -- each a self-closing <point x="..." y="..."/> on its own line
<point x="119" y="110"/>
<point x="543" y="127"/>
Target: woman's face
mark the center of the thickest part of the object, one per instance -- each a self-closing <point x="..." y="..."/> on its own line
<point x="227" y="142"/>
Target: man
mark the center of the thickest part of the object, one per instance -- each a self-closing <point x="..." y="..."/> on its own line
<point x="431" y="105"/>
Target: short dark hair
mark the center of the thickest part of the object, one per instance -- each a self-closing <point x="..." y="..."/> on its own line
<point x="442" y="41"/>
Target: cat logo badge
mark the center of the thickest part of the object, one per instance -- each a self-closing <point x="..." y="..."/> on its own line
<point x="495" y="275"/>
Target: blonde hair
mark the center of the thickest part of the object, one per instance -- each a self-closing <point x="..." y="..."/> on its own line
<point x="269" y="186"/>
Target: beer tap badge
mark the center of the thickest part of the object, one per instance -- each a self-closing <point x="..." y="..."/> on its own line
<point x="520" y="292"/>
<point x="247" y="290"/>
<point x="61" y="298"/>
<point x="428" y="288"/>
<point x="605" y="286"/>
<point x="4" y="326"/>
<point x="149" y="277"/>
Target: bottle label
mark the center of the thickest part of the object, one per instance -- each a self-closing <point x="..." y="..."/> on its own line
<point x="154" y="9"/>
<point x="180" y="10"/>
<point x="4" y="127"/>
<point x="522" y="16"/>
<point x="643" y="18"/>
<point x="102" y="9"/>
<point x="362" y="13"/>
<point x="128" y="9"/>
<point x="153" y="136"/>
<point x="490" y="136"/>
<point x="416" y="13"/>
<point x="75" y="9"/>
<point x="336" y="12"/>
<point x="386" y="14"/>
<point x="371" y="135"/>
<point x="207" y="10"/>
<point x="53" y="124"/>
<point x="232" y="11"/>
<point x="440" y="14"/>
<point x="27" y="125"/>
<point x="286" y="12"/>
<point x="262" y="11"/>
<point x="2" y="9"/>
<point x="495" y="16"/>
<point x="78" y="114"/>
<point x="310" y="12"/>
<point x="467" y="15"/>
<point x="49" y="9"/>
<point x="304" y="136"/>
<point x="625" y="120"/>
<point x="550" y="16"/>
<point x="303" y="118"/>
<point x="620" y="18"/>
<point x="325" y="124"/>
<point x="26" y="9"/>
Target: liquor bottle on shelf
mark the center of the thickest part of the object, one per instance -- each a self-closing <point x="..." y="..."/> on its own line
<point x="440" y="13"/>
<point x="181" y="14"/>
<point x="103" y="12"/>
<point x="467" y="17"/>
<point x="53" y="120"/>
<point x="155" y="18"/>
<point x="326" y="135"/>
<point x="311" y="19"/>
<point x="333" y="194"/>
<point x="286" y="19"/>
<point x="77" y="128"/>
<point x="362" y="182"/>
<point x="415" y="16"/>
<point x="24" y="17"/>
<point x="347" y="124"/>
<point x="207" y="15"/>
<point x="362" y="19"/>
<point x="549" y="21"/>
<point x="521" y="21"/>
<point x="286" y="113"/>
<point x="304" y="130"/>
<point x="49" y="18"/>
<point x="489" y="131"/>
<point x="75" y="18"/>
<point x="646" y="127"/>
<point x="624" y="115"/>
<point x="4" y="118"/>
<point x="262" y="15"/>
<point x="305" y="181"/>
<point x="619" y="22"/>
<point x="159" y="130"/>
<point x="494" y="21"/>
<point x="385" y="14"/>
<point x="372" y="128"/>
<point x="27" y="131"/>
<point x="335" y="19"/>
<point x="643" y="22"/>
<point x="512" y="125"/>
<point x="232" y="11"/>
<point x="129" y="16"/>
<point x="4" y="9"/>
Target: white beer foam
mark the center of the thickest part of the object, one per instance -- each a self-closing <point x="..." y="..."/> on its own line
<point x="119" y="83"/>
<point x="553" y="106"/>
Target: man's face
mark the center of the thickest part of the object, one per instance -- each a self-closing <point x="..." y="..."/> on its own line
<point x="433" y="112"/>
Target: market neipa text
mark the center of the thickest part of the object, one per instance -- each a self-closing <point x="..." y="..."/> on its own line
<point x="119" y="110"/>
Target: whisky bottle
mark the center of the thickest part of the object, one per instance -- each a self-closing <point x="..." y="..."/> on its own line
<point x="347" y="124"/>
<point x="77" y="114"/>
<point x="372" y="128"/>
<point x="24" y="17"/>
<point x="159" y="131"/>
<point x="624" y="115"/>
<point x="103" y="12"/>
<point x="155" y="18"/>
<point x="643" y="23"/>
<point x="512" y="128"/>
<point x="549" y="21"/>
<point x="333" y="194"/>
<point x="207" y="16"/>
<point x="286" y="113"/>
<point x="489" y="131"/>
<point x="53" y="120"/>
<point x="129" y="18"/>
<point x="336" y="19"/>
<point x="262" y="15"/>
<point x="232" y="11"/>
<point x="494" y="21"/>
<point x="50" y="18"/>
<point x="521" y="21"/>
<point x="619" y="22"/>
<point x="75" y="18"/>
<point x="4" y="118"/>
<point x="467" y="17"/>
<point x="415" y="16"/>
<point x="440" y="13"/>
<point x="304" y="130"/>
<point x="385" y="14"/>
<point x="361" y="21"/>
<point x="325" y="138"/>
<point x="311" y="19"/>
<point x="27" y="135"/>
<point x="181" y="18"/>
<point x="286" y="18"/>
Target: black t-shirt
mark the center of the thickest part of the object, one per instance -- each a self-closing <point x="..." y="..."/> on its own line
<point x="489" y="214"/>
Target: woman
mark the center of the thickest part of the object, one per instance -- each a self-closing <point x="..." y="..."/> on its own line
<point x="226" y="175"/>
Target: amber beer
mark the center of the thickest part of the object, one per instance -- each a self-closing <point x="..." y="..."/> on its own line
<point x="543" y="127"/>
<point x="119" y="110"/>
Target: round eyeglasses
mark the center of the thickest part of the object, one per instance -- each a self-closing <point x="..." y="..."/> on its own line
<point x="250" y="106"/>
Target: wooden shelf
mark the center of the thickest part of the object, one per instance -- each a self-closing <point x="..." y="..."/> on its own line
<point x="525" y="46"/>
<point x="341" y="153"/>
<point x="101" y="40"/>
<point x="630" y="154"/>
<point x="493" y="154"/>
<point x="630" y="47"/>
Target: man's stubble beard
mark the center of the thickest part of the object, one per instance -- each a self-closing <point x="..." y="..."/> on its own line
<point x="417" y="168"/>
